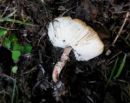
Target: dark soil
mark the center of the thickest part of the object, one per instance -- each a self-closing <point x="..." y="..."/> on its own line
<point x="80" y="82"/>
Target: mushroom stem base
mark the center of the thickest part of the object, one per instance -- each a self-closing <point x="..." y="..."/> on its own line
<point x="60" y="64"/>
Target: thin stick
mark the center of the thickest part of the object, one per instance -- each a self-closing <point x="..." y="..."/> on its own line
<point x="124" y="22"/>
<point x="60" y="65"/>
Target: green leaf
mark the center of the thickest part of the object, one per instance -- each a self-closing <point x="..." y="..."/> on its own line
<point x="3" y="32"/>
<point x="113" y="69"/>
<point x="17" y="46"/>
<point x="13" y="38"/>
<point x="121" y="66"/>
<point x="14" y="69"/>
<point x="112" y="72"/>
<point x="27" y="48"/>
<point x="7" y="43"/>
<point x="16" y="55"/>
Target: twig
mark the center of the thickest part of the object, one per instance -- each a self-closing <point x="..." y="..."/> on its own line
<point x="124" y="22"/>
<point x="43" y="35"/>
<point x="5" y="10"/>
<point x="109" y="61"/>
<point x="11" y="14"/>
<point x="66" y="11"/>
<point x="6" y="76"/>
<point x="62" y="2"/>
<point x="14" y="85"/>
<point x="29" y="71"/>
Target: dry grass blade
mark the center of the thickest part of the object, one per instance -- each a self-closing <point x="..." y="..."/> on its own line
<point x="119" y="33"/>
<point x="15" y="21"/>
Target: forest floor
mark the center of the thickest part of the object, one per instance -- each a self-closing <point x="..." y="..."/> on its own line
<point x="27" y="57"/>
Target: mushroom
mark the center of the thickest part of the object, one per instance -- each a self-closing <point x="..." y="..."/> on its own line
<point x="73" y="35"/>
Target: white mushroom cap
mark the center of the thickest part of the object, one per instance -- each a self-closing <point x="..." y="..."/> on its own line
<point x="85" y="42"/>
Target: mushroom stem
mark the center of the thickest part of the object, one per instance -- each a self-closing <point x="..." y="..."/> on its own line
<point x="60" y="64"/>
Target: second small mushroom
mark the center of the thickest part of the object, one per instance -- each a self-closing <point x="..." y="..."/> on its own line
<point x="73" y="35"/>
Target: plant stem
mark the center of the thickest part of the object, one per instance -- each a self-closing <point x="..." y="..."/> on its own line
<point x="60" y="64"/>
<point x="14" y="90"/>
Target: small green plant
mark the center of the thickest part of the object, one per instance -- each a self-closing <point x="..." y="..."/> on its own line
<point x="117" y="68"/>
<point x="2" y="32"/>
<point x="11" y="42"/>
<point x="14" y="69"/>
<point x="121" y="66"/>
